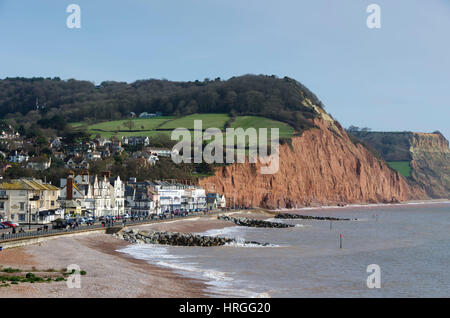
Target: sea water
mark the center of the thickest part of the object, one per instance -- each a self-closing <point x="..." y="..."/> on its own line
<point x="409" y="242"/>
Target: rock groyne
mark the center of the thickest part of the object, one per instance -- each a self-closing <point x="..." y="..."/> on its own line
<point x="310" y="217"/>
<point x="253" y="222"/>
<point x="176" y="239"/>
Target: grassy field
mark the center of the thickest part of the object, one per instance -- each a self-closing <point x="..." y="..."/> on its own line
<point x="137" y="124"/>
<point x="260" y="122"/>
<point x="77" y="124"/>
<point x="403" y="167"/>
<point x="208" y="120"/>
<point x="164" y="125"/>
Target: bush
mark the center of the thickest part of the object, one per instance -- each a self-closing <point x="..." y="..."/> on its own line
<point x="11" y="270"/>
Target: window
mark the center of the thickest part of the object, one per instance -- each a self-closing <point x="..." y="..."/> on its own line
<point x="52" y="203"/>
<point x="13" y="216"/>
<point x="21" y="217"/>
<point x="22" y="206"/>
<point x="2" y="205"/>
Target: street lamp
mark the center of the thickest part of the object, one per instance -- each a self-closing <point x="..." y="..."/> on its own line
<point x="29" y="217"/>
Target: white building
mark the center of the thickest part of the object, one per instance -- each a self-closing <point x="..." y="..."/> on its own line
<point x="93" y="155"/>
<point x="56" y="143"/>
<point x="162" y="152"/>
<point x="99" y="196"/>
<point x="136" y="140"/>
<point x="76" y="163"/>
<point x="148" y="158"/>
<point x="216" y="201"/>
<point x="39" y="163"/>
<point x="175" y="196"/>
<point x="18" y="158"/>
<point x="193" y="198"/>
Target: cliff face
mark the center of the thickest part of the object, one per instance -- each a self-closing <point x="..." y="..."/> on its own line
<point x="431" y="163"/>
<point x="324" y="167"/>
<point x="427" y="154"/>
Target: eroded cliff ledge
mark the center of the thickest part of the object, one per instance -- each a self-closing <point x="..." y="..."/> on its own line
<point x="323" y="167"/>
<point x="431" y="163"/>
<point x="428" y="155"/>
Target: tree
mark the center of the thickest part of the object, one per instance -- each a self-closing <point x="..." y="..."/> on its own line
<point x="129" y="124"/>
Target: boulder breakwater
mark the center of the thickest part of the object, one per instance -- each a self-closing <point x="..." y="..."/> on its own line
<point x="253" y="222"/>
<point x="176" y="239"/>
<point x="310" y="217"/>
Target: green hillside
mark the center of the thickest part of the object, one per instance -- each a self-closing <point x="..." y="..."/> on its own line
<point x="165" y="124"/>
<point x="403" y="167"/>
<point x="208" y="120"/>
<point x="260" y="122"/>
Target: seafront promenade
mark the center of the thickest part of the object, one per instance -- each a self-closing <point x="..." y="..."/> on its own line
<point x="6" y="238"/>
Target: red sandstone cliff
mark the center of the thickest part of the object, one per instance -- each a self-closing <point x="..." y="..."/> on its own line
<point x="431" y="163"/>
<point x="324" y="168"/>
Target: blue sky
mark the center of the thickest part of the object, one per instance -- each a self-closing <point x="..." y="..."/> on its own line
<point x="393" y="78"/>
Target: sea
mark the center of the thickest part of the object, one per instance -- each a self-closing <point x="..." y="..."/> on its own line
<point x="399" y="250"/>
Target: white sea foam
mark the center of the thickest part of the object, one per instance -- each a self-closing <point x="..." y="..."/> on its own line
<point x="147" y="251"/>
<point x="226" y="231"/>
<point x="219" y="283"/>
<point x="237" y="233"/>
<point x="241" y="243"/>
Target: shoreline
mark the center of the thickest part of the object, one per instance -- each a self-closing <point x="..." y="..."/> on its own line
<point x="364" y="205"/>
<point x="108" y="270"/>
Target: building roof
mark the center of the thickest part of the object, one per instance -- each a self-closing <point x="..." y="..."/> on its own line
<point x="211" y="199"/>
<point x="159" y="149"/>
<point x="39" y="160"/>
<point x="26" y="184"/>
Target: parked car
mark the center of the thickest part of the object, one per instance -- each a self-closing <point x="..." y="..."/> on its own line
<point x="10" y="224"/>
<point x="81" y="221"/>
<point x="59" y="224"/>
<point x="2" y="226"/>
<point x="70" y="221"/>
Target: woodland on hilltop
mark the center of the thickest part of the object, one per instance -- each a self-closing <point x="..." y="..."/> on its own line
<point x="50" y="103"/>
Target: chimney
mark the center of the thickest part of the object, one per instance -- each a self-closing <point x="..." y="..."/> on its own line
<point x="106" y="174"/>
<point x="69" y="188"/>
